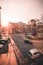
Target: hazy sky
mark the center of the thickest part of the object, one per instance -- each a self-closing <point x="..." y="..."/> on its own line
<point x="20" y="10"/>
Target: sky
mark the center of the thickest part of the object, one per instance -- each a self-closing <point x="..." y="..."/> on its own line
<point x="20" y="10"/>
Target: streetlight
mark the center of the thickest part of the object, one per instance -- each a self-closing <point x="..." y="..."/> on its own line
<point x="0" y="23"/>
<point x="0" y="16"/>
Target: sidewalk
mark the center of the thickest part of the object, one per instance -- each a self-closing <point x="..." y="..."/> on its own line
<point x="9" y="58"/>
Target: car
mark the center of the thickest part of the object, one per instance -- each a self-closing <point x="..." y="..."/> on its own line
<point x="27" y="41"/>
<point x="4" y="42"/>
<point x="34" y="53"/>
<point x="7" y="38"/>
<point x="3" y="46"/>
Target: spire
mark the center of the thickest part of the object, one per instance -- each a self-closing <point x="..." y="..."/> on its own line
<point x="0" y="7"/>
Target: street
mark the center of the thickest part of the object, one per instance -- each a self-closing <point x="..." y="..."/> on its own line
<point x="17" y="49"/>
<point x="17" y="52"/>
<point x="23" y="47"/>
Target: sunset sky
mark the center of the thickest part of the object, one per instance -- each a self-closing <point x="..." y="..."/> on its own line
<point x="20" y="10"/>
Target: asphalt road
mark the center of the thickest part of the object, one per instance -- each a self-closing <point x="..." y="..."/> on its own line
<point x="10" y="58"/>
<point x="23" y="47"/>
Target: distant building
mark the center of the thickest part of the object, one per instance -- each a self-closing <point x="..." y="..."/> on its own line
<point x="16" y="27"/>
<point x="41" y="18"/>
<point x="40" y="26"/>
<point x="11" y="27"/>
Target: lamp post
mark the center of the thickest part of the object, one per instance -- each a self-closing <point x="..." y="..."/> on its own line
<point x="0" y="16"/>
<point x="0" y="23"/>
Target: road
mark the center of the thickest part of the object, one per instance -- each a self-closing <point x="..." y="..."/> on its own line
<point x="23" y="47"/>
<point x="8" y="58"/>
<point x="17" y="50"/>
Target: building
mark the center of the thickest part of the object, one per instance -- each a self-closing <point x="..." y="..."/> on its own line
<point x="40" y="26"/>
<point x="16" y="27"/>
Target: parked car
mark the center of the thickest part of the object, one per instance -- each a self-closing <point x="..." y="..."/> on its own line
<point x="4" y="42"/>
<point x="34" y="53"/>
<point x="7" y="38"/>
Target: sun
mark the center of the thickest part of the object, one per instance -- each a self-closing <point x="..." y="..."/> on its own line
<point x="4" y="21"/>
<point x="5" y="18"/>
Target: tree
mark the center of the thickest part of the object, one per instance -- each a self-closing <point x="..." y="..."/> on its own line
<point x="33" y="27"/>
